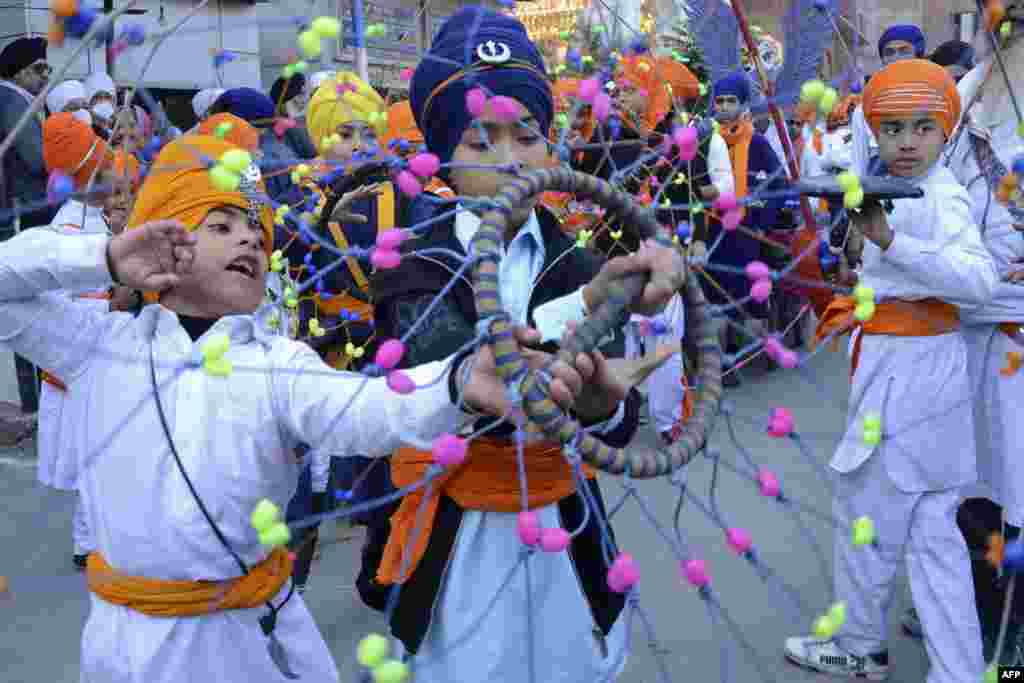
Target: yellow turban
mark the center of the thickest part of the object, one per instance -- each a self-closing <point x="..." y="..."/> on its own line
<point x="340" y="100"/>
<point x="909" y="87"/>
<point x="179" y="188"/>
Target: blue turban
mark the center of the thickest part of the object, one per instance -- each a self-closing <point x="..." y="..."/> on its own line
<point x="907" y="32"/>
<point x="736" y="83"/>
<point x="247" y="104"/>
<point x="476" y="47"/>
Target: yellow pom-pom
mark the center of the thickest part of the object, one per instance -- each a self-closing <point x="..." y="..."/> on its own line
<point x="372" y="650"/>
<point x="848" y="181"/>
<point x="863" y="531"/>
<point x="582" y="237"/>
<point x="854" y="198"/>
<point x="615" y="234"/>
<point x="864" y="293"/>
<point x="309" y="43"/>
<point x="824" y="627"/>
<point x="326" y="27"/>
<point x="391" y="671"/>
<point x="224" y="180"/>
<point x="872" y="437"/>
<point x="236" y="160"/>
<point x="864" y="311"/>
<point x="276" y="535"/>
<point x="265" y="515"/>
<point x="837" y="613"/>
<point x="1020" y="129"/>
<point x="216" y="346"/>
<point x="812" y="91"/>
<point x="291" y="302"/>
<point x="828" y="101"/>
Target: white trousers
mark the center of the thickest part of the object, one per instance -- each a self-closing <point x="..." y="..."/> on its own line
<point x="920" y="529"/>
<point x="81" y="534"/>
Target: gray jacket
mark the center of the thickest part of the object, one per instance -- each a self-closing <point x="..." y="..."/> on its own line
<point x="24" y="171"/>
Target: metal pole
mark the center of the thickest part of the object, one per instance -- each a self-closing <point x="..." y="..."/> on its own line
<point x="362" y="62"/>
<point x="108" y="7"/>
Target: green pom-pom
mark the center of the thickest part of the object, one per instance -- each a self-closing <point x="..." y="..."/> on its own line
<point x="224" y="180"/>
<point x="854" y="198"/>
<point x="222" y="129"/>
<point x="301" y="67"/>
<point x="266" y="515"/>
<point x="848" y="181"/>
<point x="824" y="627"/>
<point x="326" y="27"/>
<point x="236" y="160"/>
<point x="275" y="536"/>
<point x="309" y="43"/>
<point x="873" y="421"/>
<point x="872" y="437"/>
<point x="864" y="311"/>
<point x="837" y="613"/>
<point x="392" y="671"/>
<point x="288" y="71"/>
<point x="372" y="650"/>
<point x="864" y="293"/>
<point x="828" y="101"/>
<point x="863" y="531"/>
<point x="812" y="91"/>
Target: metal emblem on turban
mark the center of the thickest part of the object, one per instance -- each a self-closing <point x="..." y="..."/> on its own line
<point x="250" y="187"/>
<point x="493" y="53"/>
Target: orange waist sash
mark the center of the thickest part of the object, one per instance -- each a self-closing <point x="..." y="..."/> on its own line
<point x="895" y="318"/>
<point x="166" y="598"/>
<point x="487" y="480"/>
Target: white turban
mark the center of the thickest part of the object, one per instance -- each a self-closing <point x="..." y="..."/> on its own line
<point x="204" y="99"/>
<point x="64" y="93"/>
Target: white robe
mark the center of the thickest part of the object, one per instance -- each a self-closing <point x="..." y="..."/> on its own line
<point x="235" y="437"/>
<point x="997" y="400"/>
<point x="864" y="145"/>
<point x="664" y="387"/>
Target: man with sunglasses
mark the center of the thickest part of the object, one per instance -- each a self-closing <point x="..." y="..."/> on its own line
<point x="24" y="73"/>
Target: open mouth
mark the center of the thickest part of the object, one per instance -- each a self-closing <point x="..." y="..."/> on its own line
<point x="245" y="265"/>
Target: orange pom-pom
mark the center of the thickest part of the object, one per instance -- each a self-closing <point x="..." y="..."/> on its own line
<point x="1010" y="180"/>
<point x="996" y="548"/>
<point x="1003" y="194"/>
<point x="995" y="12"/>
<point x="55" y="34"/>
<point x="64" y="8"/>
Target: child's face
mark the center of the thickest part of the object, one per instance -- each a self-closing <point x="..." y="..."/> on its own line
<point x="229" y="272"/>
<point x="356" y="136"/>
<point x="895" y="50"/>
<point x="909" y="145"/>
<point x="117" y="203"/>
<point x="491" y="141"/>
<point x="727" y="107"/>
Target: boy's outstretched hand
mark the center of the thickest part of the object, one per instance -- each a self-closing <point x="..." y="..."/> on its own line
<point x="667" y="273"/>
<point x="151" y="257"/>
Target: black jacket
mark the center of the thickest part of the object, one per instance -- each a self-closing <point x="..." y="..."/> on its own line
<point x="400" y="297"/>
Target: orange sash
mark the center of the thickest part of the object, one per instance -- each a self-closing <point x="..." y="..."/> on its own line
<point x="167" y="598"/>
<point x="895" y="318"/>
<point x="738" y="137"/>
<point x="809" y="268"/>
<point x="488" y="480"/>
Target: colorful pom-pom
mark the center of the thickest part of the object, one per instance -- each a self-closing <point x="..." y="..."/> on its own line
<point x="739" y="540"/>
<point x="554" y="540"/>
<point x="696" y="572"/>
<point x="425" y="165"/>
<point x="400" y="383"/>
<point x="449" y="450"/>
<point x="528" y="526"/>
<point x="780" y="423"/>
<point x="385" y="259"/>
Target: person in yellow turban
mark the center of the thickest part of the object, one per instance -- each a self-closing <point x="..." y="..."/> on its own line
<point x="345" y="116"/>
<point x="909" y="447"/>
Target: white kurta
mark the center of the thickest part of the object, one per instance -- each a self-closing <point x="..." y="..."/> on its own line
<point x="664" y="387"/>
<point x="909" y="484"/>
<point x="235" y="437"/>
<point x="997" y="400"/>
<point x="495" y="646"/>
<point x="864" y="146"/>
<point x="810" y="161"/>
<point x="57" y="464"/>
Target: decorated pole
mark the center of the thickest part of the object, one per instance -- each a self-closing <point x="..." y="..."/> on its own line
<point x="773" y="109"/>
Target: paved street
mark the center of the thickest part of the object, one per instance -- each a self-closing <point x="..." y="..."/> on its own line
<point x="41" y="618"/>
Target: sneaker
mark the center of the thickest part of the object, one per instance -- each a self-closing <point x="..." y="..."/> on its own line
<point x="824" y="656"/>
<point x="80" y="562"/>
<point x="911" y="624"/>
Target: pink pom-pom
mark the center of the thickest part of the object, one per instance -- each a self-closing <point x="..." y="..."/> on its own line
<point x="769" y="483"/>
<point x="389" y="354"/>
<point x="425" y="165"/>
<point x="408" y="184"/>
<point x="406" y="74"/>
<point x="449" y="450"/>
<point x="602" y="106"/>
<point x="391" y="239"/>
<point x="758" y="270"/>
<point x="400" y="383"/>
<point x="589" y="89"/>
<point x="780" y="424"/>
<point x="385" y="259"/>
<point x="282" y="126"/>
<point x="554" y="540"/>
<point x="654" y="181"/>
<point x="505" y="109"/>
<point x="726" y="202"/>
<point x="476" y="102"/>
<point x="789" y="359"/>
<point x="529" y="528"/>
<point x="739" y="540"/>
<point x="731" y="220"/>
<point x="696" y="572"/>
<point x="688" y="152"/>
<point x="773" y="347"/>
<point x="685" y="136"/>
<point x="623" y="573"/>
<point x="761" y="290"/>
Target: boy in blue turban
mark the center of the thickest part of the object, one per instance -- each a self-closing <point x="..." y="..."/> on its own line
<point x="577" y="634"/>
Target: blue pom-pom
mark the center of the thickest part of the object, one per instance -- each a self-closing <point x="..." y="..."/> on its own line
<point x="344" y="494"/>
<point x="78" y="24"/>
<point x="134" y="34"/>
<point x="683" y="231"/>
<point x="1018" y="165"/>
<point x="822" y="5"/>
<point x="1013" y="556"/>
<point x="324" y="294"/>
<point x="639" y="46"/>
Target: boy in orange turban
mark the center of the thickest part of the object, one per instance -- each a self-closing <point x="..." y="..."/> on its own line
<point x="179" y="448"/>
<point x="909" y="446"/>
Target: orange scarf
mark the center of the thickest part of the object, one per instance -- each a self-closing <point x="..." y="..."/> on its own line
<point x="894" y="318"/>
<point x="738" y="137"/>
<point x="170" y="598"/>
<point x="487" y="480"/>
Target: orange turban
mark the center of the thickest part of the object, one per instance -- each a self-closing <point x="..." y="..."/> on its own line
<point x="841" y="113"/>
<point x="240" y="131"/>
<point x="912" y="87"/>
<point x="72" y="148"/>
<point x="402" y="124"/>
<point x="685" y="85"/>
<point x="127" y="166"/>
<point x="643" y="72"/>
<point x="563" y="90"/>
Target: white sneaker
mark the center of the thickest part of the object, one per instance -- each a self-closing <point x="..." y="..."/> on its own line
<point x="826" y="657"/>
